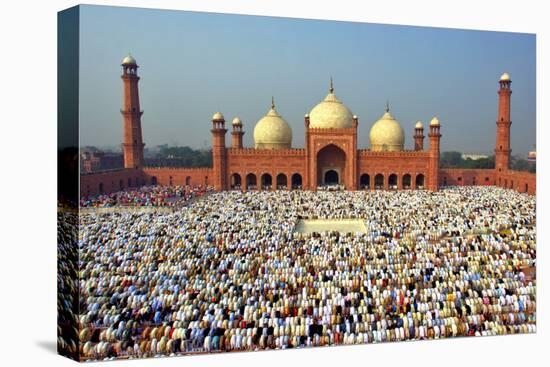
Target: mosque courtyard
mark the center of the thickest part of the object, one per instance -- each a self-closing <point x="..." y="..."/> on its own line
<point x="236" y="271"/>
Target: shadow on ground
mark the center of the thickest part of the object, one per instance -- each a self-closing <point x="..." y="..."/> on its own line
<point x="48" y="345"/>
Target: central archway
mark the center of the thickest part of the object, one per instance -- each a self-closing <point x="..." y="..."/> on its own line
<point x="331" y="166"/>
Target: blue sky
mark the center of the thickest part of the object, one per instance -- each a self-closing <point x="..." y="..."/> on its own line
<point x="194" y="64"/>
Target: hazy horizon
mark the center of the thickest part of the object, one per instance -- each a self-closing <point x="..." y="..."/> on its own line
<point x="194" y="64"/>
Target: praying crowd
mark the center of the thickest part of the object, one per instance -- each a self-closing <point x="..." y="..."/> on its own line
<point x="149" y="196"/>
<point x="230" y="273"/>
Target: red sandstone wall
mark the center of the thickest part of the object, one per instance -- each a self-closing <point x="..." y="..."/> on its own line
<point x="116" y="180"/>
<point x="466" y="177"/>
<point x="110" y="181"/>
<point x="402" y="163"/>
<point x="518" y="180"/>
<point x="318" y="157"/>
<point x="179" y="176"/>
<point x="292" y="161"/>
<point x="265" y="161"/>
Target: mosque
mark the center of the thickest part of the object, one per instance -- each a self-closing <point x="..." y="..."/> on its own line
<point x="330" y="158"/>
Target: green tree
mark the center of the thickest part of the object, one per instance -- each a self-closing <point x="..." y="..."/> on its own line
<point x="176" y="156"/>
<point x="454" y="160"/>
<point x="450" y="159"/>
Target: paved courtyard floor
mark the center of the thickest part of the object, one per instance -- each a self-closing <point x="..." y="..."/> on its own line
<point x="323" y="225"/>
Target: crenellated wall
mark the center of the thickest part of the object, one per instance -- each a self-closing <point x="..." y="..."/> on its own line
<point x="289" y="163"/>
<point x="466" y="177"/>
<point x="403" y="164"/>
<point x="179" y="176"/>
<point x="259" y="162"/>
<point x="518" y="180"/>
<point x="111" y="181"/>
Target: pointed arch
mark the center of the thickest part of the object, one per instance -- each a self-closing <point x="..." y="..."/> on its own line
<point x="251" y="183"/>
<point x="281" y="181"/>
<point x="236" y="181"/>
<point x="406" y="181"/>
<point x="364" y="181"/>
<point x="296" y="181"/>
<point x="419" y="181"/>
<point x="267" y="181"/>
<point x="379" y="181"/>
<point x="392" y="181"/>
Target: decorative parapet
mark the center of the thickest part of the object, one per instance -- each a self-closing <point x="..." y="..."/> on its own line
<point x="331" y="130"/>
<point x="266" y="152"/>
<point x="107" y="171"/>
<point x="522" y="174"/>
<point x="396" y="154"/>
<point x="466" y="170"/>
<point x="188" y="169"/>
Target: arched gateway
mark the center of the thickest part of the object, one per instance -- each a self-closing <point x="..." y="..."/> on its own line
<point x="331" y="166"/>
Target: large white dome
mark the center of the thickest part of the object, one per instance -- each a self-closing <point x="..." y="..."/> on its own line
<point x="330" y="113"/>
<point x="386" y="134"/>
<point x="272" y="131"/>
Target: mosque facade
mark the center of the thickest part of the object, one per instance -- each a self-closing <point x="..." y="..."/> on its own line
<point x="331" y="156"/>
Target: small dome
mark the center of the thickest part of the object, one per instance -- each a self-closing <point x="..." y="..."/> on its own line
<point x="306" y="115"/>
<point x="217" y="116"/>
<point x="355" y="117"/>
<point x="129" y="60"/>
<point x="505" y="77"/>
<point x="434" y="122"/>
<point x="419" y="125"/>
<point x="272" y="132"/>
<point x="330" y="113"/>
<point x="386" y="134"/>
<point x="237" y="121"/>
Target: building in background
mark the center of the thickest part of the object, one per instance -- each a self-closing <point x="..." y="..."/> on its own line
<point x="474" y="156"/>
<point x="330" y="158"/>
<point x="95" y="160"/>
<point x="532" y="156"/>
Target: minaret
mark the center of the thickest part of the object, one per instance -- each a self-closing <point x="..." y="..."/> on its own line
<point x="132" y="144"/>
<point x="419" y="136"/>
<point x="237" y="133"/>
<point x="435" y="136"/>
<point x="353" y="150"/>
<point x="219" y="162"/>
<point x="502" y="149"/>
<point x="306" y="178"/>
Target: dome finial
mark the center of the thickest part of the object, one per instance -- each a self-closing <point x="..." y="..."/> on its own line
<point x="387" y="106"/>
<point x="331" y="89"/>
<point x="272" y="102"/>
